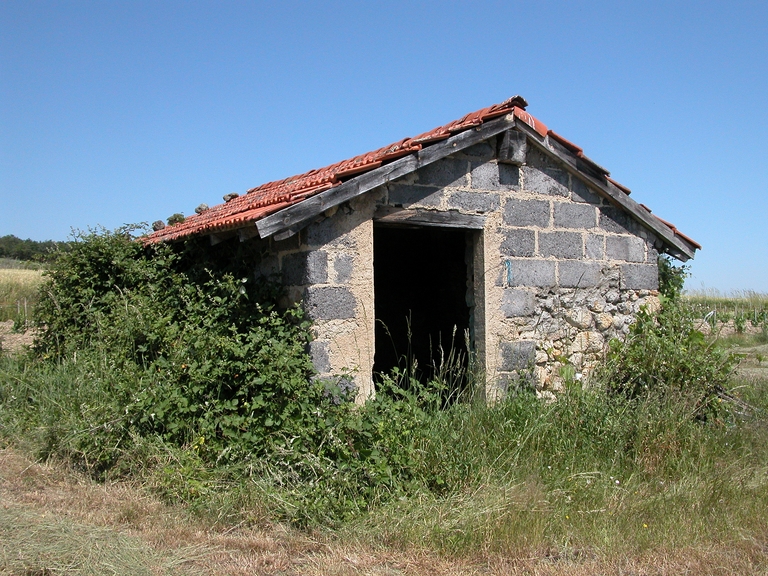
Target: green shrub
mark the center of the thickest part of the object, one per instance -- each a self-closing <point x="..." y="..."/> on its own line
<point x="671" y="278"/>
<point x="179" y="347"/>
<point x="195" y="352"/>
<point x="172" y="363"/>
<point x="664" y="354"/>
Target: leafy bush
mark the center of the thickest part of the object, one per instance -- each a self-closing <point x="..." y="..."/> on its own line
<point x="198" y="352"/>
<point x="665" y="354"/>
<point x="174" y="364"/>
<point x="671" y="278"/>
<point x="178" y="345"/>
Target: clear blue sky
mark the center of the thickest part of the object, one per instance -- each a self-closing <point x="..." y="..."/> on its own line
<point x="122" y="112"/>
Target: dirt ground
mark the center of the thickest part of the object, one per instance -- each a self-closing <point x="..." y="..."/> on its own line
<point x="13" y="341"/>
<point x="754" y="363"/>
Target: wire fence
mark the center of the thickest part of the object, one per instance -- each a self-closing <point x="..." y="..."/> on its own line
<point x="742" y="312"/>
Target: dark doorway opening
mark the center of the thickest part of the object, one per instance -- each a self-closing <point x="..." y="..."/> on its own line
<point x="422" y="296"/>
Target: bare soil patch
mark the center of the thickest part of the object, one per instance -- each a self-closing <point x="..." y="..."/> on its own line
<point x="754" y="363"/>
<point x="11" y="341"/>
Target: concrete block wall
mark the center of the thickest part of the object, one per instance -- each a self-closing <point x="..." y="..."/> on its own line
<point x="569" y="272"/>
<point x="558" y="271"/>
<point x="329" y="267"/>
<point x="563" y="271"/>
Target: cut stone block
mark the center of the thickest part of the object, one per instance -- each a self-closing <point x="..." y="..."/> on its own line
<point x="474" y="201"/>
<point x="329" y="303"/>
<point x="318" y="352"/>
<point x="407" y="194"/>
<point x="540" y="273"/>
<point x="515" y="303"/>
<point x="569" y="215"/>
<point x="305" y="268"/>
<point x="626" y="248"/>
<point x="518" y="242"/>
<point x="343" y="267"/>
<point x="560" y="244"/>
<point x="582" y="193"/>
<point x="639" y="276"/>
<point x="493" y="176"/>
<point x="614" y="220"/>
<point x="446" y="172"/>
<point x="595" y="247"/>
<point x="579" y="274"/>
<point x="517" y="355"/>
<point x="526" y="212"/>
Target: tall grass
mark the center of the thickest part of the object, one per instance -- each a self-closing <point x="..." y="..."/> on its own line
<point x="748" y="305"/>
<point x="18" y="293"/>
<point x="519" y="477"/>
<point x="582" y="473"/>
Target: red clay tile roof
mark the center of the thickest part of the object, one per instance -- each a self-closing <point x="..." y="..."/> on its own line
<point x="273" y="196"/>
<point x="268" y="198"/>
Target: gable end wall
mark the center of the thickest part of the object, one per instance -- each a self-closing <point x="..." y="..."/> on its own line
<point x="562" y="271"/>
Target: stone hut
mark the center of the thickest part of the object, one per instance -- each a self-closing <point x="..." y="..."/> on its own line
<point x="491" y="232"/>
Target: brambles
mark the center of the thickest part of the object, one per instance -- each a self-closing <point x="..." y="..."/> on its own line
<point x="192" y="351"/>
<point x="181" y="345"/>
<point x="671" y="278"/>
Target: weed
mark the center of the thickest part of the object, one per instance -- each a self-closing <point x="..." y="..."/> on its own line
<point x="664" y="354"/>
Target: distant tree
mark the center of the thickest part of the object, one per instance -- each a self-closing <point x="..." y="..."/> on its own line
<point x="18" y="249"/>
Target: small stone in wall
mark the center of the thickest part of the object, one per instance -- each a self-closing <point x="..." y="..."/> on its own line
<point x="546" y="395"/>
<point x="596" y="305"/>
<point x="612" y="296"/>
<point x="578" y="318"/>
<point x="576" y="359"/>
<point x="652" y="304"/>
<point x="586" y="342"/>
<point x="604" y="321"/>
<point x="624" y="307"/>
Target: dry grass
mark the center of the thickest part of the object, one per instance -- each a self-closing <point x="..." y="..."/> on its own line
<point x="18" y="287"/>
<point x="24" y="279"/>
<point x="119" y="525"/>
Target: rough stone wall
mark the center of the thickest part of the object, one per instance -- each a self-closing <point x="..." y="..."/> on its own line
<point x="557" y="271"/>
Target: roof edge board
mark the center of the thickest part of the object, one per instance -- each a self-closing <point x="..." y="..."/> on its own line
<point x="681" y="249"/>
<point x="299" y="215"/>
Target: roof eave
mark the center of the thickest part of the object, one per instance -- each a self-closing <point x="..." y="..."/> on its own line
<point x="291" y="219"/>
